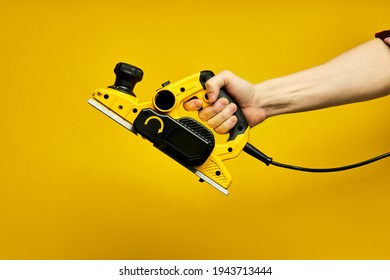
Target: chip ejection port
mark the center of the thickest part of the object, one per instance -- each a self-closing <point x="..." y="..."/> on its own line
<point x="164" y="101"/>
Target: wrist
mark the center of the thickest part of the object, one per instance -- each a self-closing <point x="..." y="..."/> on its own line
<point x="259" y="110"/>
<point x="270" y="99"/>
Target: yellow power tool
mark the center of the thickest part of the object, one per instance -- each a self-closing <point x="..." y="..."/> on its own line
<point x="171" y="129"/>
<point x="165" y="123"/>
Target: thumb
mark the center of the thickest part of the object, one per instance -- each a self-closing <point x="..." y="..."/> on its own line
<point x="214" y="85"/>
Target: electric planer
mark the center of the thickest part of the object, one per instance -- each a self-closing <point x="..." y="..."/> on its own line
<point x="172" y="130"/>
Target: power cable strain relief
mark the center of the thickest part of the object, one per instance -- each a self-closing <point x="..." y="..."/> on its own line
<point x="251" y="150"/>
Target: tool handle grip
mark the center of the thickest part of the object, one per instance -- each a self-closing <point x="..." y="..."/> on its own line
<point x="242" y="124"/>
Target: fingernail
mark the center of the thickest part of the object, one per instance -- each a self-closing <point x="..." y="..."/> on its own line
<point x="210" y="95"/>
<point x="223" y="101"/>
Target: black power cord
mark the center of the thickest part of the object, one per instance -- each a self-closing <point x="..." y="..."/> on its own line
<point x="251" y="150"/>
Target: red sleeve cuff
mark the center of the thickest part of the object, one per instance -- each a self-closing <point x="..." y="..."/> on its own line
<point x="383" y="35"/>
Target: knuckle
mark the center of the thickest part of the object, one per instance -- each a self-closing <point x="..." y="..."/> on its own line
<point x="211" y="123"/>
<point x="226" y="125"/>
<point x="221" y="103"/>
<point x="232" y="108"/>
<point x="229" y="111"/>
<point x="226" y="73"/>
<point x="208" y="83"/>
<point x="202" y="116"/>
<point x="220" y="129"/>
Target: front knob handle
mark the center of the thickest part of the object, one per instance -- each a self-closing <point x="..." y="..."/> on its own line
<point x="126" y="77"/>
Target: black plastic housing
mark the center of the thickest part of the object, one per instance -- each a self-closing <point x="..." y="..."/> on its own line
<point x="184" y="139"/>
<point x="127" y="76"/>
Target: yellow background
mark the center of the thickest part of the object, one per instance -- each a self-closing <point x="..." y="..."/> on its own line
<point x="75" y="185"/>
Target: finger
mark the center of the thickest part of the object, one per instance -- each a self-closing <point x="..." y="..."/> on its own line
<point x="212" y="110"/>
<point x="212" y="90"/>
<point x="226" y="126"/>
<point x="224" y="115"/>
<point x="193" y="105"/>
<point x="214" y="84"/>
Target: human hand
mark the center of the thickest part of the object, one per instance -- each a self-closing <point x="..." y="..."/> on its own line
<point x="220" y="114"/>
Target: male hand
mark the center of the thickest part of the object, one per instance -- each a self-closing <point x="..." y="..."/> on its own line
<point x="219" y="115"/>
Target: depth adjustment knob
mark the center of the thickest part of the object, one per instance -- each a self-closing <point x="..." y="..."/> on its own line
<point x="126" y="77"/>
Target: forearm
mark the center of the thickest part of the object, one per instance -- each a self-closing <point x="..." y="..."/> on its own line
<point x="360" y="74"/>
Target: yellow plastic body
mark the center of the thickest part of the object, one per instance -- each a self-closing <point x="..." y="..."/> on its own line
<point x="128" y="107"/>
